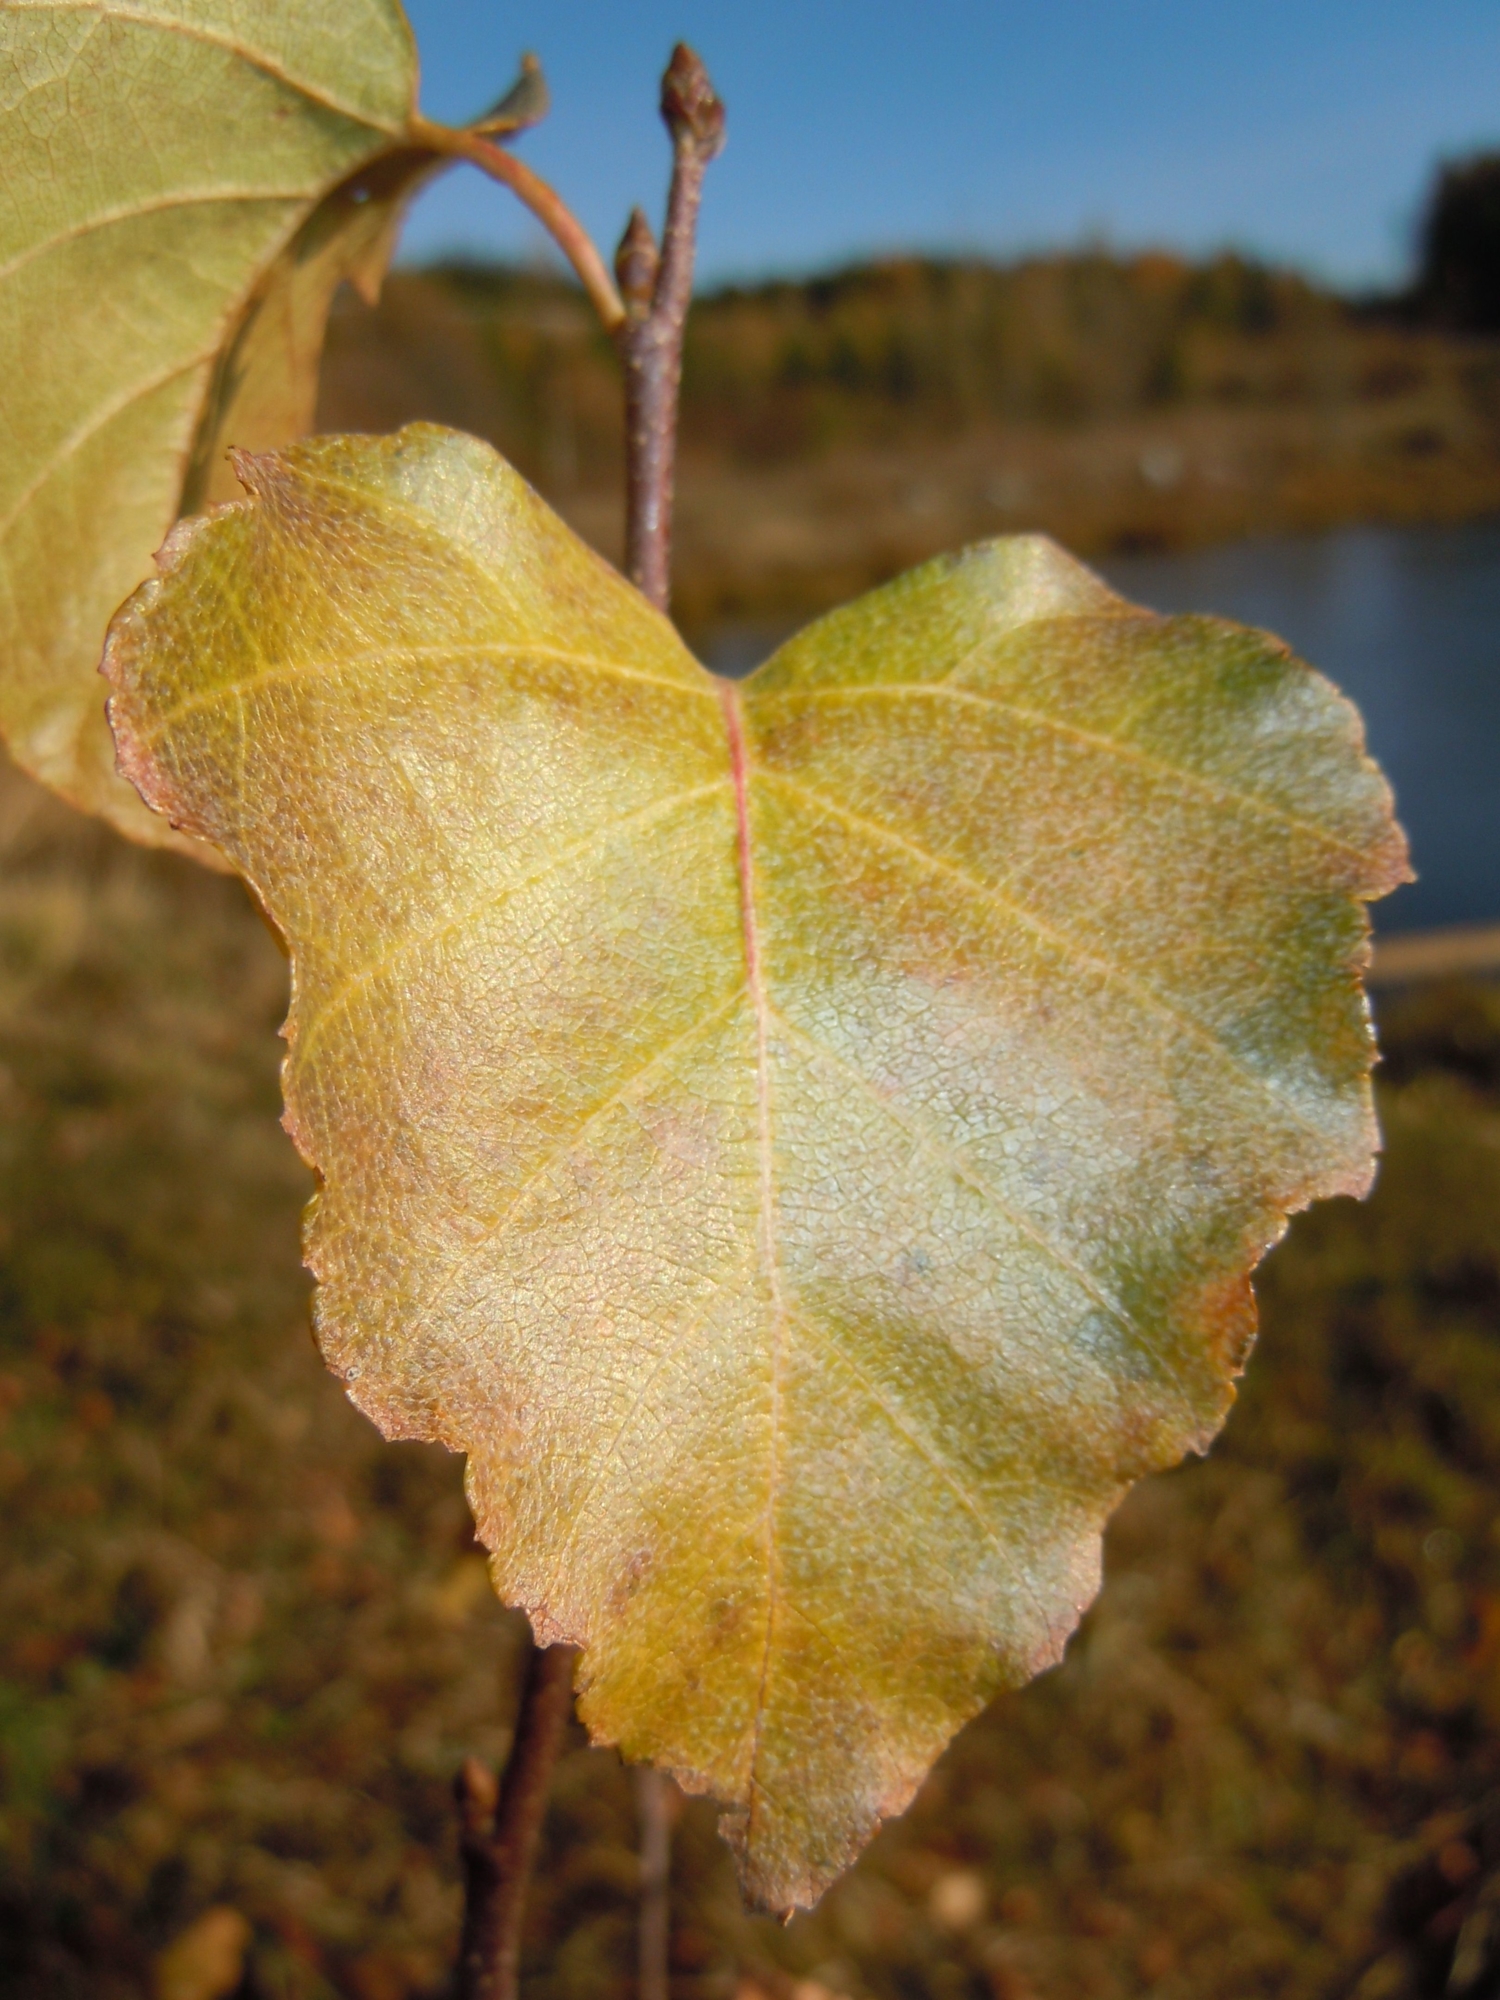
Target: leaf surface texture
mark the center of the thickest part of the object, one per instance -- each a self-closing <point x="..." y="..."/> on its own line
<point x="808" y="1142"/>
<point x="183" y="185"/>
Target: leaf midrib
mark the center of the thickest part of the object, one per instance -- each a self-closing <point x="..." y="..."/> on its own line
<point x="741" y="772"/>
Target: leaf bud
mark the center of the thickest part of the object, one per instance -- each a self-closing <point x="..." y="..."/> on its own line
<point x="636" y="264"/>
<point x="693" y="110"/>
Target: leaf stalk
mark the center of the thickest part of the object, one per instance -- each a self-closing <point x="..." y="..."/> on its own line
<point x="545" y="203"/>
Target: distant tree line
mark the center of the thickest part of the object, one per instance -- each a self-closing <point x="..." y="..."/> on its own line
<point x="915" y="349"/>
<point x="1458" y="281"/>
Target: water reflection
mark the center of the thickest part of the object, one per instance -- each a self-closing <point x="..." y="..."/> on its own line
<point x="1407" y="622"/>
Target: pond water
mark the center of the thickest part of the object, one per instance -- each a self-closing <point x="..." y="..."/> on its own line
<point x="1407" y="622"/>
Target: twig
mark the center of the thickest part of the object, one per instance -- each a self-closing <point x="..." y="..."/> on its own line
<point x="649" y="320"/>
<point x="656" y="293"/>
<point x="500" y="1826"/>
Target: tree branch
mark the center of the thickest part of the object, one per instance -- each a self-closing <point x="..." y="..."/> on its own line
<point x="656" y="294"/>
<point x="649" y="320"/>
<point x="654" y="1803"/>
<point x="500" y="1826"/>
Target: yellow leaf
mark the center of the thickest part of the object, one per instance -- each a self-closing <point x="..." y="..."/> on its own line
<point x="806" y="1142"/>
<point x="186" y="184"/>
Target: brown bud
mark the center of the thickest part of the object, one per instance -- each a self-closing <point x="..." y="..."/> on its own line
<point x="636" y="263"/>
<point x="690" y="105"/>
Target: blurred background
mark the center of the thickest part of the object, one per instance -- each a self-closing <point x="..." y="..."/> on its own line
<point x="1213" y="296"/>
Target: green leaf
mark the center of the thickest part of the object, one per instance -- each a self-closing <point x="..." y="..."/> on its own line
<point x="186" y="184"/>
<point x="807" y="1143"/>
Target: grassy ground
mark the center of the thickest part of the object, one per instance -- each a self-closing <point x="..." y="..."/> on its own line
<point x="243" y="1644"/>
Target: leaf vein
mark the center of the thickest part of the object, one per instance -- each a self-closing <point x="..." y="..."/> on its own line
<point x="953" y="1158"/>
<point x="589" y="843"/>
<point x="1110" y="969"/>
<point x="1212" y="788"/>
<point x="166" y="205"/>
<point x="922" y="1445"/>
<point x="700" y="683"/>
<point x="193" y="31"/>
<point x="690" y="1324"/>
<point x="558" y="1153"/>
<point x="99" y="420"/>
<point x="384" y="656"/>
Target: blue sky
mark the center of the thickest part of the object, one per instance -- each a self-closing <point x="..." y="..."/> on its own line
<point x="1303" y="130"/>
